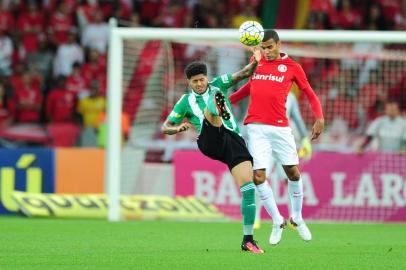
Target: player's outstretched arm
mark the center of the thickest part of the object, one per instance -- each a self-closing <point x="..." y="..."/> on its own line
<point x="249" y="69"/>
<point x="170" y="128"/>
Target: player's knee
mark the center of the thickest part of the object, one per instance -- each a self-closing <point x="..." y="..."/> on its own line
<point x="259" y="178"/>
<point x="294" y="175"/>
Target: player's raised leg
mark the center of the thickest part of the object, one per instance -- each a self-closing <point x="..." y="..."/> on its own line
<point x="216" y="105"/>
<point x="242" y="174"/>
<point x="295" y="190"/>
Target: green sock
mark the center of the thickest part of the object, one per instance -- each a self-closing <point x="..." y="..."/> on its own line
<point x="211" y="104"/>
<point x="248" y="207"/>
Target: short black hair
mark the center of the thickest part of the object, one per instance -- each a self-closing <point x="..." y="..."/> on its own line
<point x="195" y="68"/>
<point x="270" y="34"/>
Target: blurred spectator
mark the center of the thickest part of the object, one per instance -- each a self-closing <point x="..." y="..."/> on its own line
<point x="7" y="22"/>
<point x="5" y="114"/>
<point x="248" y="13"/>
<point x="347" y="16"/>
<point x="119" y="9"/>
<point x="41" y="60"/>
<point x="76" y="83"/>
<point x="67" y="54"/>
<point x="95" y="35"/>
<point x="374" y="19"/>
<point x="102" y="128"/>
<point x="85" y="13"/>
<point x="172" y="16"/>
<point x="378" y="108"/>
<point x="149" y="10"/>
<point x="319" y="21"/>
<point x="30" y="25"/>
<point x="19" y="51"/>
<point x="28" y="100"/>
<point x="134" y="20"/>
<point x="60" y="24"/>
<point x="51" y="5"/>
<point x="94" y="68"/>
<point x="398" y="92"/>
<point x="6" y="53"/>
<point x="60" y="103"/>
<point x="392" y="10"/>
<point x="90" y="107"/>
<point x="389" y="130"/>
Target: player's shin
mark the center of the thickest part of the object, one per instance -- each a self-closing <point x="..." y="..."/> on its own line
<point x="295" y="190"/>
<point x="248" y="209"/>
<point x="268" y="200"/>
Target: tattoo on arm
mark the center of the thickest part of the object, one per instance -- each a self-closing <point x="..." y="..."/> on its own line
<point x="247" y="71"/>
<point x="169" y="128"/>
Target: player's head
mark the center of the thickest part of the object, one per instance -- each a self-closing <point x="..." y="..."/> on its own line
<point x="270" y="45"/>
<point x="196" y="74"/>
<point x="392" y="108"/>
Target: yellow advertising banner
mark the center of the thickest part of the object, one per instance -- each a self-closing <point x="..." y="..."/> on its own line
<point x="132" y="206"/>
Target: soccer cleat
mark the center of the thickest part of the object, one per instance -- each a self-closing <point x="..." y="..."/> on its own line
<point x="220" y="102"/>
<point x="276" y="234"/>
<point x="251" y="246"/>
<point x="302" y="229"/>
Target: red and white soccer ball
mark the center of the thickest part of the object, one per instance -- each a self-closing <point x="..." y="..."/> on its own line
<point x="251" y="33"/>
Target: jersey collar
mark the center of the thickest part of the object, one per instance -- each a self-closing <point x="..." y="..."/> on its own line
<point x="206" y="93"/>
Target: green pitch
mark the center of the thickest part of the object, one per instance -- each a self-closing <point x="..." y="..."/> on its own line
<point x="95" y="244"/>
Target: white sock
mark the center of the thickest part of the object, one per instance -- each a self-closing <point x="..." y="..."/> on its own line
<point x="248" y="229"/>
<point x="295" y="189"/>
<point x="259" y="207"/>
<point x="268" y="200"/>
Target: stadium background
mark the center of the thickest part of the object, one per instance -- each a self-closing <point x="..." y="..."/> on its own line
<point x="53" y="73"/>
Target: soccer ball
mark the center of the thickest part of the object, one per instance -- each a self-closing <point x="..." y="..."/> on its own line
<point x="251" y="33"/>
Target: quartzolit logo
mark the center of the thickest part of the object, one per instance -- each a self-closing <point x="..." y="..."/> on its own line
<point x="33" y="180"/>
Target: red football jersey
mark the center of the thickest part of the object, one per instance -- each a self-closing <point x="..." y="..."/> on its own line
<point x="268" y="88"/>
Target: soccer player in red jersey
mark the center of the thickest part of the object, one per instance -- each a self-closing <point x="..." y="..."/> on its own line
<point x="269" y="132"/>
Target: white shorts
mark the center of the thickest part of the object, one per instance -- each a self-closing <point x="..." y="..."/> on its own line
<point x="265" y="141"/>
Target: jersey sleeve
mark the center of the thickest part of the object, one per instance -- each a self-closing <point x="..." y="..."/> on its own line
<point x="223" y="82"/>
<point x="241" y="93"/>
<point x="178" y="112"/>
<point x="304" y="85"/>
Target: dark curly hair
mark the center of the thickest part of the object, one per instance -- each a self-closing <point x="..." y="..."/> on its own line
<point x="195" y="68"/>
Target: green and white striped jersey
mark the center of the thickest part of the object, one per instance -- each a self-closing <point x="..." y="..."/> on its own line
<point x="192" y="105"/>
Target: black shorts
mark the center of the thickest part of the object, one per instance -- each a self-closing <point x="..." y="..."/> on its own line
<point x="222" y="144"/>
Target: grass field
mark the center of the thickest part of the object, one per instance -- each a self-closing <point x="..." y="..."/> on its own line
<point x="96" y="244"/>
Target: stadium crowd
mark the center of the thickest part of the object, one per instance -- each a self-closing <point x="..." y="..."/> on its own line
<point x="53" y="58"/>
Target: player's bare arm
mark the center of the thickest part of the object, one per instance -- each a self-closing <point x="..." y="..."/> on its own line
<point x="318" y="128"/>
<point x="170" y="128"/>
<point x="249" y="69"/>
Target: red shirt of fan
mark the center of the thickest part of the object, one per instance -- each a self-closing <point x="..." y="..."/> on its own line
<point x="60" y="25"/>
<point x="28" y="103"/>
<point x="26" y="23"/>
<point x="60" y="105"/>
<point x="6" y="21"/>
<point x="268" y="89"/>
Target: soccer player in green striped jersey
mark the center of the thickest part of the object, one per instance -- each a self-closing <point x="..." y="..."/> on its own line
<point x="208" y="109"/>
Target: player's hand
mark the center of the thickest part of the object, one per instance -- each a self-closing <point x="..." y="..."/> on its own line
<point x="306" y="149"/>
<point x="183" y="127"/>
<point x="317" y="128"/>
<point x="256" y="52"/>
<point x="360" y="151"/>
